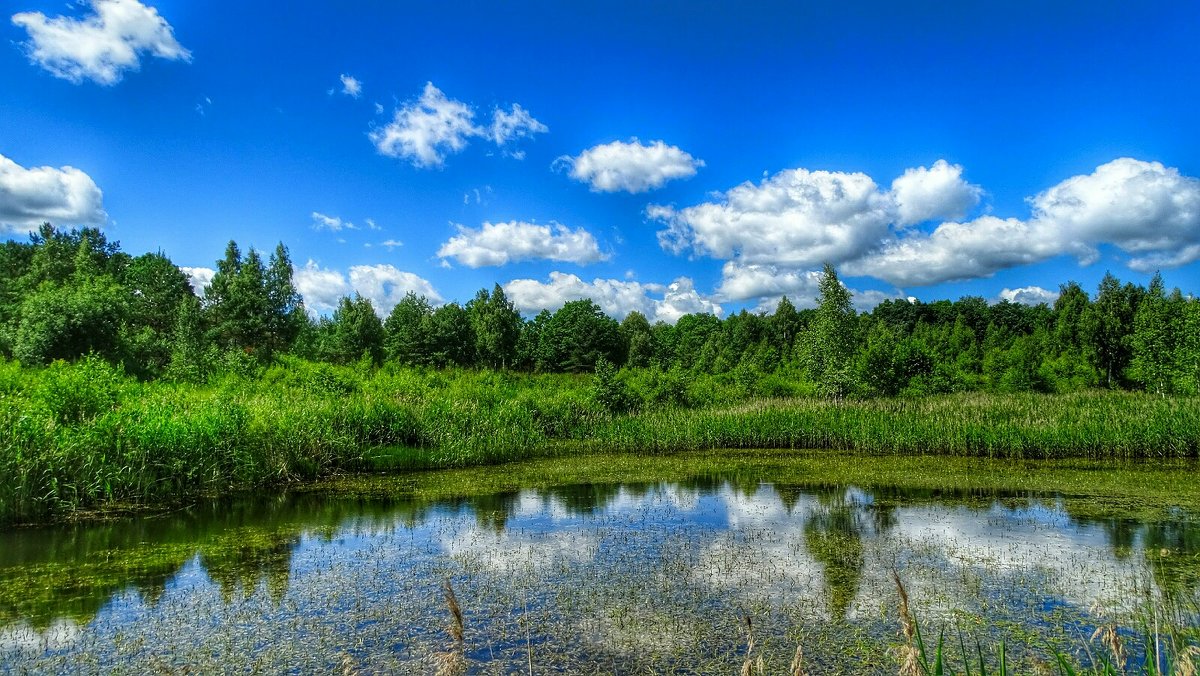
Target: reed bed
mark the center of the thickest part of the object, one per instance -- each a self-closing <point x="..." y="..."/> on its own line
<point x="1098" y="425"/>
<point x="79" y="436"/>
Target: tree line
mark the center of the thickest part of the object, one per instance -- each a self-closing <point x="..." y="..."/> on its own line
<point x="66" y="294"/>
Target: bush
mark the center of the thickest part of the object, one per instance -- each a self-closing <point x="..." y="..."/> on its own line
<point x="80" y="392"/>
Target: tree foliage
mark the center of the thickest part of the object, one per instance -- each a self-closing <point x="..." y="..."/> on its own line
<point x="70" y="295"/>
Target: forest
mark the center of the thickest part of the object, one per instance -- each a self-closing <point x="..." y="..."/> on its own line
<point x="68" y="294"/>
<point x="120" y="386"/>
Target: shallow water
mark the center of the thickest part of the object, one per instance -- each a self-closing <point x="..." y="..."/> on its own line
<point x="577" y="577"/>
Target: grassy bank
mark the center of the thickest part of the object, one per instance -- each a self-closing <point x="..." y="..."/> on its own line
<point x="75" y="436"/>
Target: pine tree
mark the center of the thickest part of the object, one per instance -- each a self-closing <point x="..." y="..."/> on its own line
<point x="286" y="315"/>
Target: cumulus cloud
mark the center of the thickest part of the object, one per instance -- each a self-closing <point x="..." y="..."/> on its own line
<point x="768" y="284"/>
<point x="383" y="285"/>
<point x="774" y="234"/>
<point x="425" y="131"/>
<point x="30" y="197"/>
<point x="953" y="251"/>
<point x="101" y="46"/>
<point x="351" y="86"/>
<point x="742" y="282"/>
<point x="1029" y="295"/>
<point x="796" y="217"/>
<point x="617" y="298"/>
<point x="199" y="278"/>
<point x="515" y="241"/>
<point x="515" y="124"/>
<point x="1143" y="208"/>
<point x="938" y="192"/>
<point x="630" y="166"/>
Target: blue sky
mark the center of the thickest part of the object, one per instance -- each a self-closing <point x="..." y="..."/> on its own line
<point x="663" y="157"/>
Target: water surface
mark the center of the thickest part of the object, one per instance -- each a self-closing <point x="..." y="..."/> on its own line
<point x="616" y="574"/>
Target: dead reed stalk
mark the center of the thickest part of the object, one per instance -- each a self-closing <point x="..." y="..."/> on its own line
<point x="909" y="654"/>
<point x="452" y="662"/>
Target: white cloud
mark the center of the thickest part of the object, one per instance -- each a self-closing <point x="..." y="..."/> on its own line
<point x="775" y="231"/>
<point x="630" y="166"/>
<point x="391" y="243"/>
<point x="383" y="285"/>
<point x="1144" y="208"/>
<point x="30" y="197"/>
<point x="321" y="288"/>
<point x="616" y="297"/>
<point x="434" y="126"/>
<point x="199" y="278"/>
<point x="769" y="284"/>
<point x="936" y="193"/>
<point x="742" y="282"/>
<point x="977" y="248"/>
<point x="515" y="124"/>
<point x="796" y="217"/>
<point x="425" y="131"/>
<point x="101" y="46"/>
<point x="1029" y="295"/>
<point x="515" y="241"/>
<point x="330" y="223"/>
<point x="351" y="86"/>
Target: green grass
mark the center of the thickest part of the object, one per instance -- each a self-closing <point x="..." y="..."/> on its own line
<point x="80" y="436"/>
<point x="1098" y="424"/>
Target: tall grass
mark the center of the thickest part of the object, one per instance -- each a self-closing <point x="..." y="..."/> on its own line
<point x="1119" y="425"/>
<point x="73" y="436"/>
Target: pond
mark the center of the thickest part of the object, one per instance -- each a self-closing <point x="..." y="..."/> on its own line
<point x="619" y="564"/>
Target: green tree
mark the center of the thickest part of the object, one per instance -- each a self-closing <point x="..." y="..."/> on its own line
<point x="405" y="341"/>
<point x="155" y="287"/>
<point x="238" y="305"/>
<point x="832" y="338"/>
<point x="67" y="321"/>
<point x="529" y="356"/>
<point x="1188" y="349"/>
<point x="192" y="358"/>
<point x="286" y="317"/>
<point x="1107" y="328"/>
<point x="354" y="332"/>
<point x="497" y="327"/>
<point x="577" y="336"/>
<point x="688" y="337"/>
<point x="608" y="391"/>
<point x="637" y="339"/>
<point x="1156" y="329"/>
<point x="451" y="337"/>
<point x="785" y="326"/>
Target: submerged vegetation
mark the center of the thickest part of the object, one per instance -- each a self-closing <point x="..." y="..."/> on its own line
<point x="778" y="560"/>
<point x="119" y="385"/>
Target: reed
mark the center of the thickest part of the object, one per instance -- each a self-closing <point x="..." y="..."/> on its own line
<point x="80" y="436"/>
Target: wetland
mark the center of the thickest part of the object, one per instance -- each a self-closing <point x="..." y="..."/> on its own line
<point x="702" y="561"/>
